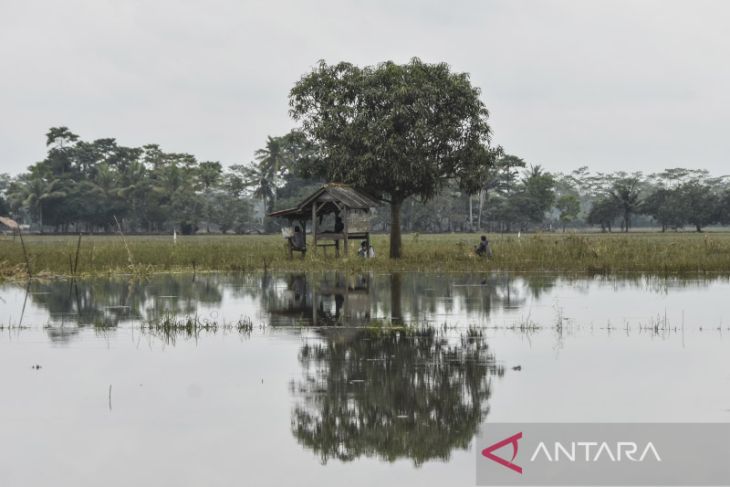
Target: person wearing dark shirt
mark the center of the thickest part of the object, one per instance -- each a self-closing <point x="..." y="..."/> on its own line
<point x="339" y="225"/>
<point x="297" y="240"/>
<point x="483" y="249"/>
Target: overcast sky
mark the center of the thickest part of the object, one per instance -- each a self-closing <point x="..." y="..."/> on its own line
<point x="610" y="84"/>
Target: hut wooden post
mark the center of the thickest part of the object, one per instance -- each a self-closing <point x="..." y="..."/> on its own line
<point x="314" y="228"/>
<point x="303" y="223"/>
<point x="347" y="229"/>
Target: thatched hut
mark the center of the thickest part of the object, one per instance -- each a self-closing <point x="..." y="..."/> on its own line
<point x="352" y="213"/>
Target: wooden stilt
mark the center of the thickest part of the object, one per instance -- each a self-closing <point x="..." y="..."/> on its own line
<point x="346" y="229"/>
<point x="314" y="228"/>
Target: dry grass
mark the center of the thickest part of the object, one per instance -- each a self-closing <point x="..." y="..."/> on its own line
<point x="591" y="253"/>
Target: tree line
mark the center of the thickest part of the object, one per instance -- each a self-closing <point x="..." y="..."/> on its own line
<point x="415" y="136"/>
<point x="83" y="186"/>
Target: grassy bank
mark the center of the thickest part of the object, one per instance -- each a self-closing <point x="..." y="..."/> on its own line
<point x="576" y="253"/>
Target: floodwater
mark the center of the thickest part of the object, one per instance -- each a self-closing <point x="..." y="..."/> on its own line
<point x="332" y="379"/>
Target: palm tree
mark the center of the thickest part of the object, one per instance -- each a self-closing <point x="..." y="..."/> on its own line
<point x="136" y="186"/>
<point x="272" y="159"/>
<point x="625" y="193"/>
<point x="260" y="181"/>
<point x="35" y="191"/>
<point x="498" y="178"/>
<point x="209" y="173"/>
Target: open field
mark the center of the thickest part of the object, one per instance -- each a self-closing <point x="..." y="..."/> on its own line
<point x="591" y="253"/>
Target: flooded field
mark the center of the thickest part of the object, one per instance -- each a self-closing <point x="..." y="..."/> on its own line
<point x="325" y="379"/>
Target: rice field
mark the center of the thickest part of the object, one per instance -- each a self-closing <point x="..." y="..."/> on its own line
<point x="589" y="253"/>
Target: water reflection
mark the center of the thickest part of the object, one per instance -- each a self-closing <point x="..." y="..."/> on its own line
<point x="361" y="385"/>
<point x="322" y="300"/>
<point x="109" y="302"/>
<point x="296" y="299"/>
<point x="391" y="393"/>
<point x="356" y="299"/>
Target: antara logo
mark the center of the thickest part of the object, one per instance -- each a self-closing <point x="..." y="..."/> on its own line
<point x="487" y="452"/>
<point x="593" y="451"/>
<point x="587" y="451"/>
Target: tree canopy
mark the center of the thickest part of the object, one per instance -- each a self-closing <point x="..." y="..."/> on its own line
<point x="393" y="130"/>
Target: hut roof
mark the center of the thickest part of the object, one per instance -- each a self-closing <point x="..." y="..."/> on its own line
<point x="341" y="193"/>
<point x="8" y="222"/>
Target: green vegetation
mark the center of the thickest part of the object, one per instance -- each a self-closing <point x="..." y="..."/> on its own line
<point x="654" y="253"/>
<point x="395" y="131"/>
<point x="170" y="326"/>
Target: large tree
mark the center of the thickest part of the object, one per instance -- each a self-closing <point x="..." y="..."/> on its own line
<point x="604" y="212"/>
<point x="700" y="203"/>
<point x="393" y="130"/>
<point x="723" y="208"/>
<point x="666" y="207"/>
<point x="569" y="206"/>
<point x="532" y="198"/>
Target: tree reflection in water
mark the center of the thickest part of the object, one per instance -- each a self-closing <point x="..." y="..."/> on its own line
<point x="407" y="393"/>
<point x="319" y="299"/>
<point x="107" y="302"/>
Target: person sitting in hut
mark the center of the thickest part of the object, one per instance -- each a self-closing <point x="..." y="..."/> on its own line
<point x="339" y="224"/>
<point x="366" y="251"/>
<point x="483" y="249"/>
<point x="297" y="240"/>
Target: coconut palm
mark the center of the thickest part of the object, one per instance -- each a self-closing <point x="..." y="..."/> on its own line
<point x="272" y="158"/>
<point x="34" y="191"/>
<point x="259" y="180"/>
<point x="209" y="173"/>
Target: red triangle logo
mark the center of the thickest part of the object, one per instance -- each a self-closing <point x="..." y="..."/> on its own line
<point x="487" y="452"/>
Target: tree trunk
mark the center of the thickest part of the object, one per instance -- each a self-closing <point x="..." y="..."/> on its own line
<point x="481" y="204"/>
<point x="699" y="228"/>
<point x="396" y="315"/>
<point x="471" y="214"/>
<point x="395" y="238"/>
<point x="627" y="221"/>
